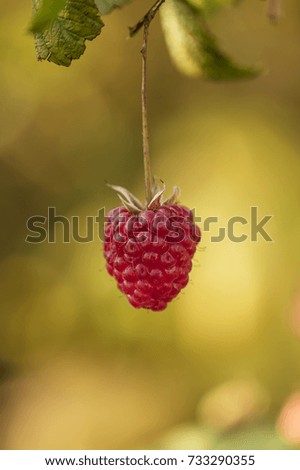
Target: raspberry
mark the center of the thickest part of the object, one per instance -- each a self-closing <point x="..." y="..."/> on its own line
<point x="150" y="253"/>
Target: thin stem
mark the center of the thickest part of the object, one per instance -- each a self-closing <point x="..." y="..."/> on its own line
<point x="146" y="153"/>
<point x="145" y="23"/>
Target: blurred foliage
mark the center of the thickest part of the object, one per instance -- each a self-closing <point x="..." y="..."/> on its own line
<point x="106" y="6"/>
<point x="45" y="12"/>
<point x="79" y="368"/>
<point x="193" y="47"/>
<point x="212" y="6"/>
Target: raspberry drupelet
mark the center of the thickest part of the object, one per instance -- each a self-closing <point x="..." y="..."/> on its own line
<point x="150" y="253"/>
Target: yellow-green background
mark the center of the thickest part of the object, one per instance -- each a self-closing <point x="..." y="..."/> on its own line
<point x="79" y="367"/>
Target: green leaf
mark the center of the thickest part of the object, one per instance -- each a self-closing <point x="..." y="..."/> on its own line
<point x="63" y="38"/>
<point x="45" y="12"/>
<point x="106" y="6"/>
<point x="194" y="48"/>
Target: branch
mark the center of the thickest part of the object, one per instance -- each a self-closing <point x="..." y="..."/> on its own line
<point x="146" y="20"/>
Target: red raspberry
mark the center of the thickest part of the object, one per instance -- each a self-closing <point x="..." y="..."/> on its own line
<point x="150" y="254"/>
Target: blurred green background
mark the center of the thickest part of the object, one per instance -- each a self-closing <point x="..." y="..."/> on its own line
<point x="220" y="368"/>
